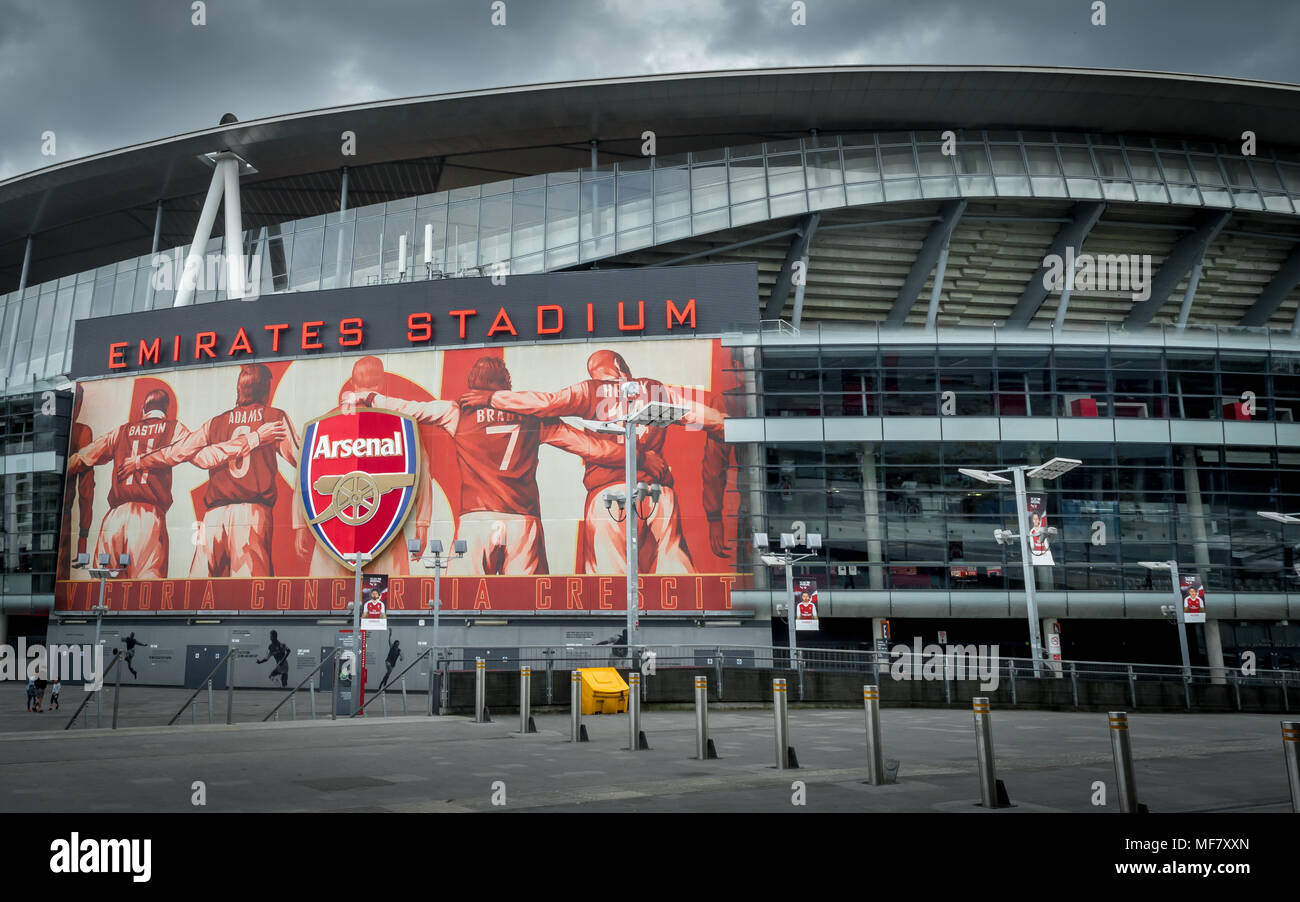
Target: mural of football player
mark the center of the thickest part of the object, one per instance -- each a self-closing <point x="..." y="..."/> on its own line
<point x="496" y="451"/>
<point x="136" y="522"/>
<point x="369" y="375"/>
<point x="600" y="398"/>
<point x="239" y="448"/>
<point x="81" y="486"/>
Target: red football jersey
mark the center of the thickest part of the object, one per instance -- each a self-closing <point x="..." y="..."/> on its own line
<point x="138" y="438"/>
<point x="252" y="477"/>
<point x="497" y="452"/>
<point x="607" y="403"/>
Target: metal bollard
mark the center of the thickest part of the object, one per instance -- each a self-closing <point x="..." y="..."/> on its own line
<point x="480" y="689"/>
<point x="194" y="714"/>
<point x="404" y="711"/>
<point x="525" y="696"/>
<point x="209" y="702"/>
<point x="1132" y="687"/>
<point x="1011" y="669"/>
<point x="634" y="711"/>
<point x="311" y="694"/>
<point x="1236" y="687"/>
<point x="230" y="687"/>
<point x="984" y="752"/>
<point x="1119" y="746"/>
<point x="575" y="706"/>
<point x="702" y="743"/>
<point x="117" y="695"/>
<point x="1291" y="754"/>
<point x="1074" y="684"/>
<point x="99" y="708"/>
<point x="782" y="724"/>
<point x="875" y="752"/>
<point x="383" y="700"/>
<point x="717" y="669"/>
<point x="293" y="706"/>
<point x="432" y="672"/>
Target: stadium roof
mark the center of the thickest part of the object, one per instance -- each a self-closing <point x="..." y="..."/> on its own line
<point x="102" y="205"/>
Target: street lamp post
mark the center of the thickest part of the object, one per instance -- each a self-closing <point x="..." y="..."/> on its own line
<point x="358" y="562"/>
<point x="1172" y="567"/>
<point x="435" y="561"/>
<point x="102" y="573"/>
<point x="787" y="559"/>
<point x="1050" y="470"/>
<point x="651" y="414"/>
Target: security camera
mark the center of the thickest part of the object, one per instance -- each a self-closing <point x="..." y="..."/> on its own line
<point x="608" y="499"/>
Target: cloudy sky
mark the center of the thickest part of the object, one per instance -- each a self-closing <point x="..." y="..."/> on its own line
<point x="103" y="74"/>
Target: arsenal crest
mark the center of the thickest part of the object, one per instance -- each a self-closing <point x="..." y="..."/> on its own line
<point x="356" y="479"/>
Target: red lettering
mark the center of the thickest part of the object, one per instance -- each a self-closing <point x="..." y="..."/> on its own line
<point x="681" y="315"/>
<point x="543" y="594"/>
<point x="275" y="329"/>
<point x="350" y="331"/>
<point x="176" y="349"/>
<point x="207" y="602"/>
<point x="151" y="353"/>
<point x="168" y="590"/>
<point x="310" y="600"/>
<point x="204" y="342"/>
<point x="240" y="343"/>
<point x="481" y="597"/>
<point x="419" y="327"/>
<point x="559" y="319"/>
<point x="497" y="325"/>
<point x="396" y="590"/>
<point x="590" y="315"/>
<point x="573" y="593"/>
<point x="282" y="594"/>
<point x="309" y="335"/>
<point x="668" y="593"/>
<point x="606" y="590"/>
<point x="258" y="601"/>
<point x="142" y="601"/>
<point x="461" y="314"/>
<point x="640" y="318"/>
<point x="117" y="356"/>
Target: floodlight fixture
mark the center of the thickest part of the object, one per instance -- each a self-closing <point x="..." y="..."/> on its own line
<point x="760" y="540"/>
<point x="1155" y="565"/>
<point x="1057" y="466"/>
<point x="984" y="476"/>
<point x="814" y="540"/>
<point x="1279" y="517"/>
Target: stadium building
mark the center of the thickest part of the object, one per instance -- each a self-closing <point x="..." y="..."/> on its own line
<point x="941" y="268"/>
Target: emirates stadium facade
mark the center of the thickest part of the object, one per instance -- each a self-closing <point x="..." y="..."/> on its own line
<point x="894" y="317"/>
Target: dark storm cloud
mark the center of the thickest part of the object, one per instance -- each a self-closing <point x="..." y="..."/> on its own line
<point x="102" y="75"/>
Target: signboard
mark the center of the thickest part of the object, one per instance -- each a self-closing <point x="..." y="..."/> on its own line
<point x="805" y="604"/>
<point x="374" y="601"/>
<point x="312" y="458"/>
<point x="1193" y="598"/>
<point x="943" y="637"/>
<point x="1054" y="645"/>
<point x="1039" y="549"/>
<point x="345" y="669"/>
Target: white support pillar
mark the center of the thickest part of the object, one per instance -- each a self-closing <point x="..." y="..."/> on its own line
<point x="194" y="261"/>
<point x="27" y="265"/>
<point x="1214" y="651"/>
<point x="236" y="274"/>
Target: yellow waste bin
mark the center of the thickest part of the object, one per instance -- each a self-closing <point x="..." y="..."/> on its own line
<point x="603" y="691"/>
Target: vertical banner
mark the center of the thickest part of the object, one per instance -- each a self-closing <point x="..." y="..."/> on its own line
<point x="805" y="604"/>
<point x="374" y="601"/>
<point x="1193" y="598"/>
<point x="1036" y="513"/>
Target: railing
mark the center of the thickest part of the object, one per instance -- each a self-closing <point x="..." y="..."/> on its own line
<point x="383" y="690"/>
<point x="205" y="682"/>
<point x="117" y="659"/>
<point x="292" y="692"/>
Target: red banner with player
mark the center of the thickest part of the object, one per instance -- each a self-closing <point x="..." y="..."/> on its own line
<point x="246" y="487"/>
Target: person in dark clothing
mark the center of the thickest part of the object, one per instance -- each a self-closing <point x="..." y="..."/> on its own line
<point x="280" y="652"/>
<point x="40" y="693"/>
<point x="131" y="642"/>
<point x="619" y="651"/>
<point x="394" y="655"/>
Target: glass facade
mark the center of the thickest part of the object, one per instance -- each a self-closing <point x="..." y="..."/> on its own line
<point x="35" y="436"/>
<point x="547" y="222"/>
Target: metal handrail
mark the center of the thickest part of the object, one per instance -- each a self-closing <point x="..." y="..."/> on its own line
<point x="203" y="682"/>
<point x="308" y="679"/>
<point x="89" y="695"/>
<point x="422" y="656"/>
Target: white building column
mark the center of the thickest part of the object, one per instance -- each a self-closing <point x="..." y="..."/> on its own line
<point x="199" y="247"/>
<point x="236" y="273"/>
<point x="1214" y="651"/>
<point x="1201" y="551"/>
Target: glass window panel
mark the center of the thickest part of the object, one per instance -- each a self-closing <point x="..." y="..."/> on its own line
<point x="785" y="173"/>
<point x="1007" y="160"/>
<point x="494" y="225"/>
<point x="869" y="193"/>
<point x="19" y="371"/>
<point x="561" y="216"/>
<point x="462" y="232"/>
<point x="1238" y="172"/>
<point x="565" y="256"/>
<point x="1084" y="188"/>
<point x="748" y="180"/>
<point x="1142" y="163"/>
<point x="337" y="253"/>
<point x="824" y="169"/>
<point x="1042" y="161"/>
<point x="672" y="194"/>
<point x="634" y="238"/>
<point x="1183" y="194"/>
<point x="1048" y="186"/>
<point x="902" y="189"/>
<point x="1012" y="185"/>
<point x="791" y="203"/>
<point x="933" y="160"/>
<point x="1077" y="161"/>
<point x="103" y="304"/>
<point x="1207" y="170"/>
<point x="124" y="290"/>
<point x="395" y="226"/>
<point x="1176" y="168"/>
<point x="1290" y="175"/>
<point x="898" y="162"/>
<point x="710" y="222"/>
<point x="634" y="202"/>
<point x="1118" y="190"/>
<point x="822" y="198"/>
<point x="365" y="257"/>
<point x="861" y="165"/>
<point x="1110" y="163"/>
<point x="708" y="187"/>
<point x="529" y="226"/>
<point x="304" y="274"/>
<point x="1265" y="174"/>
<point x="754" y="211"/>
<point x="60" y="336"/>
<point x="671" y="231"/>
<point x="41" y="334"/>
<point x="1147" y="191"/>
